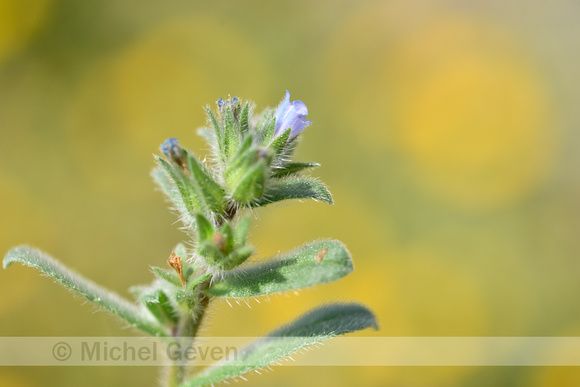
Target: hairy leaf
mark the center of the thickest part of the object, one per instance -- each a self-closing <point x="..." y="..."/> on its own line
<point x="313" y="264"/>
<point x="266" y="127"/>
<point x="183" y="196"/>
<point x="295" y="189"/>
<point x="205" y="229"/>
<point x="231" y="136"/>
<point x="159" y="305"/>
<point x="291" y="168"/>
<point x="251" y="185"/>
<point x="162" y="180"/>
<point x="206" y="188"/>
<point x="279" y="143"/>
<point x="244" y="114"/>
<point x="169" y="276"/>
<point x="311" y="328"/>
<point x="93" y="292"/>
<point x="241" y="230"/>
<point x="219" y="136"/>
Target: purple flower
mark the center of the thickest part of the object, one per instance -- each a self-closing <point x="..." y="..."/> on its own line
<point x="291" y="115"/>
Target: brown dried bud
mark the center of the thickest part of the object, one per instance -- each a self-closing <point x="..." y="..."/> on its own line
<point x="176" y="263"/>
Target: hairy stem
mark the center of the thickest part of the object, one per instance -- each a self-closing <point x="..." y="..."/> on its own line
<point x="228" y="215"/>
<point x="185" y="335"/>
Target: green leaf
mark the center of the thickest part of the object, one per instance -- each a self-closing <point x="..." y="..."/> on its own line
<point x="212" y="255"/>
<point x="267" y="124"/>
<point x="217" y="130"/>
<point x="207" y="188"/>
<point x="188" y="272"/>
<point x="241" y="161"/>
<point x="160" y="307"/>
<point x="280" y="142"/>
<point x="191" y="285"/>
<point x="241" y="230"/>
<point x="318" y="325"/>
<point x="250" y="186"/>
<point x="193" y="191"/>
<point x="188" y="296"/>
<point x="104" y="298"/>
<point x="205" y="229"/>
<point x="291" y="168"/>
<point x="183" y="197"/>
<point x="244" y="123"/>
<point x="294" y="270"/>
<point x="238" y="256"/>
<point x="295" y="189"/>
<point x="209" y="135"/>
<point x="231" y="136"/>
<point x="170" y="277"/>
<point x="161" y="179"/>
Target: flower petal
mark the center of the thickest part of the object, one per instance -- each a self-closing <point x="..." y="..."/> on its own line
<point x="291" y="115"/>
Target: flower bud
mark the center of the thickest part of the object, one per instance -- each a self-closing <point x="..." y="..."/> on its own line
<point x="173" y="151"/>
<point x="226" y="248"/>
<point x="248" y="183"/>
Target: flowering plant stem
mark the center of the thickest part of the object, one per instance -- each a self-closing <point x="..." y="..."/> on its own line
<point x="251" y="167"/>
<point x="187" y="330"/>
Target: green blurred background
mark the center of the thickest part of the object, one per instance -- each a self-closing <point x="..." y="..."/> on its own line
<point x="447" y="132"/>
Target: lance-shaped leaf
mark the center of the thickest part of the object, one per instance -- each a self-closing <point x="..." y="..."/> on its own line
<point x="244" y="118"/>
<point x="168" y="276"/>
<point x="294" y="189"/>
<point x="241" y="230"/>
<point x="177" y="188"/>
<point x="279" y="143"/>
<point x="291" y="168"/>
<point x="218" y="135"/>
<point x="205" y="229"/>
<point x="231" y="133"/>
<point x="208" y="190"/>
<point x="313" y="264"/>
<point x="266" y="126"/>
<point x="163" y="181"/>
<point x="311" y="328"/>
<point x="106" y="299"/>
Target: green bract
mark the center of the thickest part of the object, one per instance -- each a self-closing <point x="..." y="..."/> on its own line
<point x="251" y="167"/>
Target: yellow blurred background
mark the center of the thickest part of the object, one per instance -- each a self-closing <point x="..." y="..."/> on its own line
<point x="447" y="132"/>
